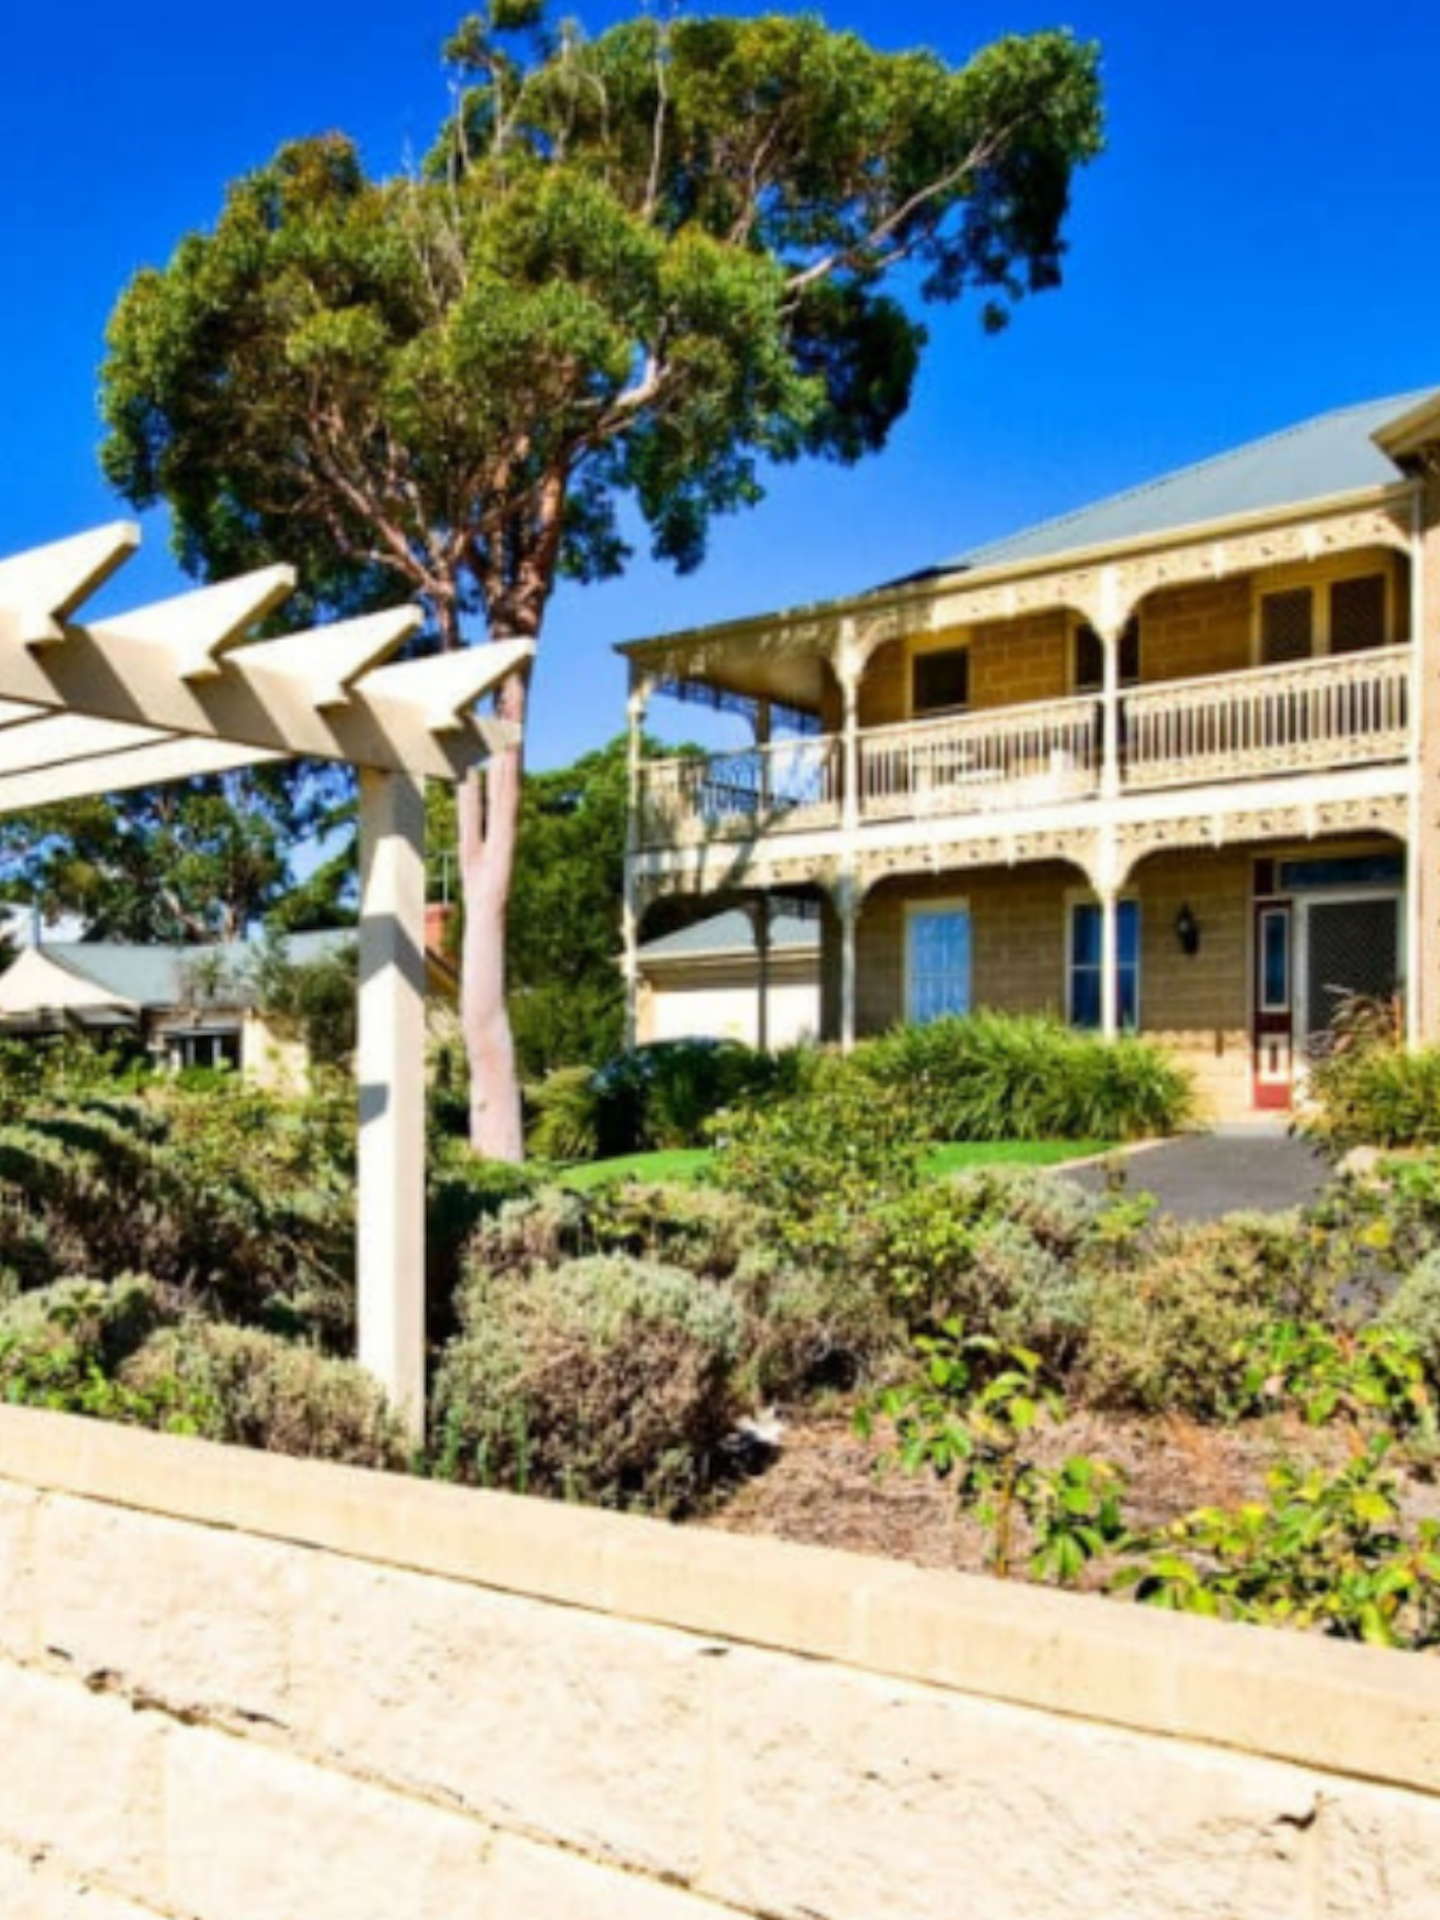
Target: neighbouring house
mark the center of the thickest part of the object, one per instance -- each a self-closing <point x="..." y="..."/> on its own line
<point x="1170" y="763"/>
<point x="193" y="1006"/>
<point x="738" y="975"/>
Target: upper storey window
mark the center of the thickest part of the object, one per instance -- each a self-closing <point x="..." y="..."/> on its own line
<point x="1344" y="615"/>
<point x="940" y="681"/>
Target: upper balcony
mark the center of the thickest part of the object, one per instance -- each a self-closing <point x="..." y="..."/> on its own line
<point x="1309" y="717"/>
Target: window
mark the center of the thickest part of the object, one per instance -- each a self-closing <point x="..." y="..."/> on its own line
<point x="1274" y="934"/>
<point x="1085" y="976"/>
<point x="1332" y="616"/>
<point x="939" y="681"/>
<point x="937" y="961"/>
<point x="1089" y="675"/>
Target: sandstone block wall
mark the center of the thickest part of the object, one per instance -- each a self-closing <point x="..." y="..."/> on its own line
<point x="240" y="1688"/>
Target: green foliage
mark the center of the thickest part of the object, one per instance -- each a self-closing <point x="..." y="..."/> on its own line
<point x="61" y="1349"/>
<point x="1173" y="1331"/>
<point x="256" y="1389"/>
<point x="1384" y="1096"/>
<point x="1371" y="1228"/>
<point x="230" y="1196"/>
<point x="607" y="1379"/>
<point x="649" y="1098"/>
<point x="565" y="1116"/>
<point x="822" y="1159"/>
<point x="1413" y="1310"/>
<point x="1325" y="1550"/>
<point x="195" y="861"/>
<point x="993" y="1076"/>
<point x="1003" y="1249"/>
<point x="1373" y="1375"/>
<point x="970" y="1416"/>
<point x="1367" y="1088"/>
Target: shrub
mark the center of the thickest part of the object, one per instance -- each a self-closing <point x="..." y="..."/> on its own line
<point x="255" y="1389"/>
<point x="1376" y="1094"/>
<point x="1174" y="1334"/>
<point x="565" y="1116"/>
<point x="808" y="1325"/>
<point x="1370" y="1229"/>
<point x="541" y="1230"/>
<point x="1002" y="1254"/>
<point x="994" y="1076"/>
<point x="1414" y="1309"/>
<point x="234" y="1197"/>
<point x="61" y="1345"/>
<point x="607" y="1379"/>
<point x="821" y="1160"/>
<point x="461" y="1191"/>
<point x="654" y="1096"/>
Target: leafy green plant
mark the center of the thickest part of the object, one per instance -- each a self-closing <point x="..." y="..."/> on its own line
<point x="820" y="1161"/>
<point x="1371" y="1377"/>
<point x="969" y="1416"/>
<point x="1325" y="1550"/>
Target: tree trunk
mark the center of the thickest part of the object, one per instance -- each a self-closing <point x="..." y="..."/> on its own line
<point x="489" y="816"/>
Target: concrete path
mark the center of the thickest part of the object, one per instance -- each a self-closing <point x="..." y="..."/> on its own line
<point x="1202" y="1176"/>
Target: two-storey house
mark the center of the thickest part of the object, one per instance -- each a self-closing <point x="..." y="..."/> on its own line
<point x="1170" y="763"/>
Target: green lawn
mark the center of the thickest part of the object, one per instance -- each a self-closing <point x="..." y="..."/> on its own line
<point x="690" y="1163"/>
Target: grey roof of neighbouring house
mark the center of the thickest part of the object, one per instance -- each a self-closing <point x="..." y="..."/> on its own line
<point x="146" y="976"/>
<point x="1332" y="454"/>
<point x="733" y="933"/>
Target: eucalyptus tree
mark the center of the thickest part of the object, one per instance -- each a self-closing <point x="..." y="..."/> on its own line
<point x="636" y="267"/>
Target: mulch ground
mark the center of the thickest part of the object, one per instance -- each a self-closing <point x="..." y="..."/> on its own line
<point x="829" y="1487"/>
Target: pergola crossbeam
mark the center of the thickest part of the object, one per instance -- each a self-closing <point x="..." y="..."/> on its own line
<point x="42" y="588"/>
<point x="193" y="627"/>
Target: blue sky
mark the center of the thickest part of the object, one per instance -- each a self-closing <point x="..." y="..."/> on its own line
<point x="1260" y="242"/>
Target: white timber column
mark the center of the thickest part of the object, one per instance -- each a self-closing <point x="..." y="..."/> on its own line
<point x="847" y="902"/>
<point x="1109" y="962"/>
<point x="760" y="914"/>
<point x="636" y="709"/>
<point x="390" y="1070"/>
<point x="761" y="720"/>
<point x="1110" y="708"/>
<point x="1422" y="895"/>
<point x="849" y="666"/>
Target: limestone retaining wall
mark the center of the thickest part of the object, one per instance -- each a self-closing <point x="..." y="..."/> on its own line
<point x="241" y="1688"/>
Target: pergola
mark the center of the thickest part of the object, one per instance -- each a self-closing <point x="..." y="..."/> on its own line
<point x="174" y="690"/>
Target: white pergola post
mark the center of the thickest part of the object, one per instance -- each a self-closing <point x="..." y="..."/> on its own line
<point x="390" y="1071"/>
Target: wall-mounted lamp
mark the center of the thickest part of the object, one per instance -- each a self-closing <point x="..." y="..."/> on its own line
<point x="1187" y="930"/>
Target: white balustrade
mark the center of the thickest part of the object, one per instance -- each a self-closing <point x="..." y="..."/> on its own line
<point x="1344" y="711"/>
<point x="1001" y="758"/>
<point x="734" y="796"/>
<point x="1313" y="714"/>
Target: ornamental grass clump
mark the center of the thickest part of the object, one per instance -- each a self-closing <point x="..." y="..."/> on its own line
<point x="998" y="1076"/>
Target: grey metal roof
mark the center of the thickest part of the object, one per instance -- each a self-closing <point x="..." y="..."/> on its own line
<point x="733" y="933"/>
<point x="157" y="976"/>
<point x="1334" y="453"/>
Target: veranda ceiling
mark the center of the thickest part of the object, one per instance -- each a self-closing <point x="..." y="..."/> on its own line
<point x="174" y="689"/>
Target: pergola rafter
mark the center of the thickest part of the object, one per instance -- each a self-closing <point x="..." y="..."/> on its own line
<point x="176" y="689"/>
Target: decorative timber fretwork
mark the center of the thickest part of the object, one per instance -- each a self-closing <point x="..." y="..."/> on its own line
<point x="1299" y="820"/>
<point x="1107" y="593"/>
<point x="1080" y="848"/>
